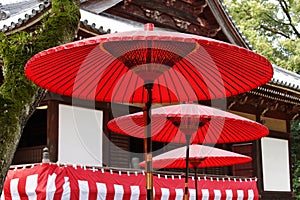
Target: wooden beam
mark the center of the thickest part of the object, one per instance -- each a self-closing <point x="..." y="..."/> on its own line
<point x="227" y="26"/>
<point x="184" y="8"/>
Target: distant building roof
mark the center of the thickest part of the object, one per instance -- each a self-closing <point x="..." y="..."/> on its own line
<point x="108" y="24"/>
<point x="20" y="13"/>
<point x="286" y="78"/>
<point x="18" y="7"/>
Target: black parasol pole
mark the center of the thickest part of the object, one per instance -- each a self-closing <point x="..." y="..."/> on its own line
<point x="148" y="148"/>
<point x="186" y="184"/>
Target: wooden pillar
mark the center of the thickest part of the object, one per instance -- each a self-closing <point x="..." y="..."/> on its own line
<point x="106" y="136"/>
<point x="257" y="157"/>
<point x="52" y="130"/>
<point x="290" y="140"/>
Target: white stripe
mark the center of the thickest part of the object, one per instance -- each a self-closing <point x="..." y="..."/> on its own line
<point x="228" y="194"/>
<point x="66" y="195"/>
<point x="2" y="195"/>
<point x="250" y="194"/>
<point x="30" y="187"/>
<point x="119" y="192"/>
<point x="240" y="194"/>
<point x="135" y="192"/>
<point x="179" y="194"/>
<point x="165" y="193"/>
<point x="51" y="187"/>
<point x="14" y="189"/>
<point x="192" y="194"/>
<point x="153" y="192"/>
<point x="205" y="194"/>
<point x="101" y="189"/>
<point x="217" y="194"/>
<point x="83" y="190"/>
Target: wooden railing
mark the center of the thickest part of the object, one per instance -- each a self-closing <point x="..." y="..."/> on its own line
<point x="28" y="155"/>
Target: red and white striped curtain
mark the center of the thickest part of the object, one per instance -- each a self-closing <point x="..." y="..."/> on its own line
<point x="52" y="182"/>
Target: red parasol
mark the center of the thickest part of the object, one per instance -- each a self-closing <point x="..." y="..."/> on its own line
<point x="207" y="125"/>
<point x="148" y="66"/>
<point x="200" y="157"/>
<point x="190" y="123"/>
<point x="181" y="67"/>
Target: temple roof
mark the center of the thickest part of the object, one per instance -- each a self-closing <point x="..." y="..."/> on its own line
<point x="20" y="12"/>
<point x="17" y="14"/>
<point x="286" y="78"/>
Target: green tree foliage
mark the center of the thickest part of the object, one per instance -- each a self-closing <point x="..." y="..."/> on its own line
<point x="272" y="28"/>
<point x="17" y="93"/>
<point x="295" y="129"/>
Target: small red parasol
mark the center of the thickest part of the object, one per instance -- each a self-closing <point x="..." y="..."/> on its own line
<point x="190" y="123"/>
<point x="200" y="157"/>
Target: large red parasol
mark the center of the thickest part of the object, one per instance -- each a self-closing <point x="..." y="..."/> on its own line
<point x="148" y="66"/>
<point x="200" y="157"/>
<point x="190" y="123"/>
<point x="115" y="68"/>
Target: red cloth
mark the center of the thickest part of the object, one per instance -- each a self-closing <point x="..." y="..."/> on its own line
<point x="79" y="183"/>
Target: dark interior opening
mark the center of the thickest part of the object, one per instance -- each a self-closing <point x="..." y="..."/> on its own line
<point x="35" y="131"/>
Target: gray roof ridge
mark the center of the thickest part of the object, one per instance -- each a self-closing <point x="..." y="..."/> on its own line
<point x="22" y="17"/>
<point x="286" y="78"/>
<point x="107" y="23"/>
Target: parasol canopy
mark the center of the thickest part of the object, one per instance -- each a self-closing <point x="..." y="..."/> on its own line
<point x="115" y="68"/>
<point x="200" y="157"/>
<point x="207" y="125"/>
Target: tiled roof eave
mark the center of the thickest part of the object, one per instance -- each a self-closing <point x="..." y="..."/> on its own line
<point x="25" y="19"/>
<point x="277" y="93"/>
<point x="286" y="85"/>
<point x="287" y="79"/>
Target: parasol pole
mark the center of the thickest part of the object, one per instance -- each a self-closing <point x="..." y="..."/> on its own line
<point x="196" y="181"/>
<point x="186" y="184"/>
<point x="196" y="163"/>
<point x="148" y="143"/>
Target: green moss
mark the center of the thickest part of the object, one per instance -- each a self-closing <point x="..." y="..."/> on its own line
<point x="17" y="93"/>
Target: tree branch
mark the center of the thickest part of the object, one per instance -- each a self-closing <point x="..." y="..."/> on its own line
<point x="283" y="4"/>
<point x="275" y="31"/>
<point x="276" y="21"/>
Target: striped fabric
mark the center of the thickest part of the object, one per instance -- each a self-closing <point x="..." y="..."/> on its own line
<point x="53" y="182"/>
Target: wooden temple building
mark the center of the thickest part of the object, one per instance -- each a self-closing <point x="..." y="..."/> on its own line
<point x="275" y="104"/>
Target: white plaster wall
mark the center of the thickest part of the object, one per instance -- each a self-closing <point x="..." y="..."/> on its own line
<point x="80" y="136"/>
<point x="275" y="164"/>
